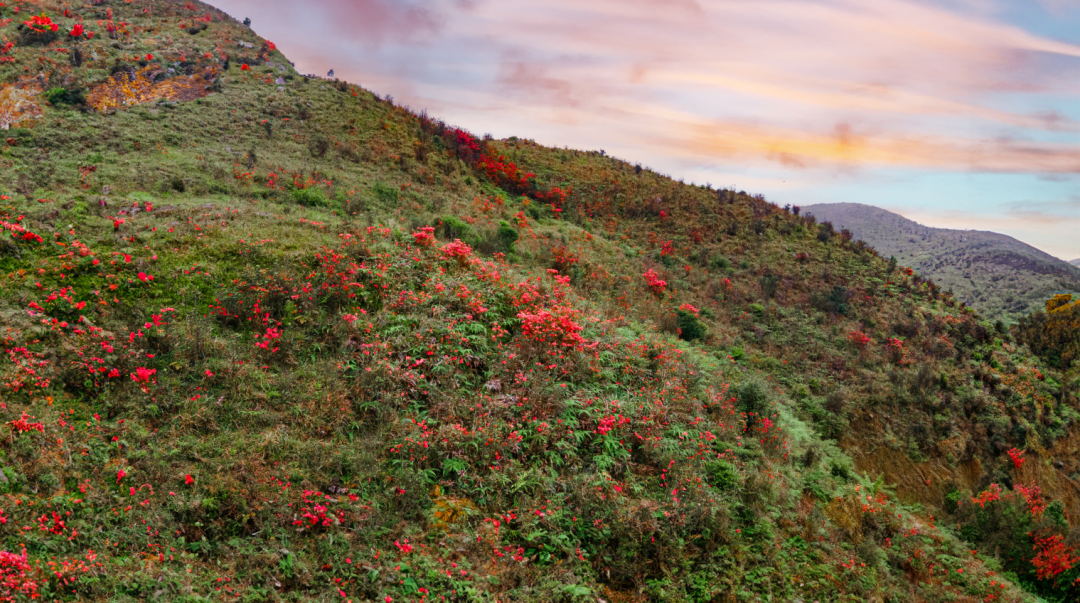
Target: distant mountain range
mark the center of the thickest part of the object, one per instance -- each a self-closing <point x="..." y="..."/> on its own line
<point x="996" y="274"/>
<point x="1075" y="262"/>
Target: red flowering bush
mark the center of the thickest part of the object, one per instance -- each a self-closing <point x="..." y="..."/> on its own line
<point x="860" y="339"/>
<point x="1033" y="496"/>
<point x="457" y="251"/>
<point x="991" y="494"/>
<point x="1017" y="457"/>
<point x="554" y="327"/>
<point x="143" y="375"/>
<point x="22" y="425"/>
<point x="1053" y="557"/>
<point x="657" y="284"/>
<point x="424" y="237"/>
<point x="40" y="24"/>
<point x="14" y="578"/>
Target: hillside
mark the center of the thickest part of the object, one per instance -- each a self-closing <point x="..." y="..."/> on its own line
<point x="272" y="338"/>
<point x="994" y="273"/>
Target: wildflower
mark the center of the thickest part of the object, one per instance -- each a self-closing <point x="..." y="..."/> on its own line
<point x="116" y="223"/>
<point x="76" y="31"/>
<point x="142" y="375"/>
<point x="188" y="479"/>
<point x="144" y="277"/>
<point x="245" y="67"/>
<point x="121" y="474"/>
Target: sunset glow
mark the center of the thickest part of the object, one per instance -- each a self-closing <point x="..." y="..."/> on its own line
<point x="963" y="113"/>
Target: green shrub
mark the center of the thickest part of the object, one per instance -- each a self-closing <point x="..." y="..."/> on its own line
<point x="722" y="475"/>
<point x="456" y="228"/>
<point x="62" y="96"/>
<point x="720" y="262"/>
<point x="752" y="397"/>
<point x="310" y="197"/>
<point x="690" y="328"/>
<point x="507" y="235"/>
<point x="384" y="193"/>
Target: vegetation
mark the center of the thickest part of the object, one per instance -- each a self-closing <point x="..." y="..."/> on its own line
<point x="1001" y="277"/>
<point x="289" y="342"/>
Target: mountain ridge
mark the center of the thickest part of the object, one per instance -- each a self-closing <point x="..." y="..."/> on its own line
<point x="1003" y="277"/>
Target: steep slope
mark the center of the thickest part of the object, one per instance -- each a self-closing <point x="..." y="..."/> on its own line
<point x="1000" y="276"/>
<point x="274" y="338"/>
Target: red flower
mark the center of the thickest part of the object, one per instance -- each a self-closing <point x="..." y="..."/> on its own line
<point x="189" y="480"/>
<point x="244" y="67"/>
<point x="76" y="31"/>
<point x="149" y="57"/>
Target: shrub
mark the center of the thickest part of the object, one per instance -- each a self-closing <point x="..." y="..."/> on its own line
<point x="384" y="193"/>
<point x="752" y="397"/>
<point x="310" y="197"/>
<point x="720" y="262"/>
<point x="769" y="283"/>
<point x="507" y="235"/>
<point x="62" y="96"/>
<point x="456" y="228"/>
<point x="690" y="328"/>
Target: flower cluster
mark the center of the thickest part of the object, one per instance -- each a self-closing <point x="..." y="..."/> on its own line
<point x="14" y="577"/>
<point x="22" y="425"/>
<point x="657" y="284"/>
<point x="553" y="326"/>
<point x="424" y="237"/>
<point x="40" y="24"/>
<point x="860" y="339"/>
<point x="143" y="375"/>
<point x="690" y="309"/>
<point x="457" y="251"/>
<point x="1033" y="497"/>
<point x="1053" y="557"/>
<point x="1017" y="457"/>
<point x="991" y="494"/>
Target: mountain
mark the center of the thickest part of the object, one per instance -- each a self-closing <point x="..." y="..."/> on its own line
<point x="270" y="337"/>
<point x="1000" y="276"/>
<point x="1075" y="262"/>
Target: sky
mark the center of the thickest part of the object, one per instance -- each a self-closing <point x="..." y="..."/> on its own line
<point x="957" y="113"/>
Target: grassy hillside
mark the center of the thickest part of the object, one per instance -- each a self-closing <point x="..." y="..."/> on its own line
<point x="996" y="274"/>
<point x="274" y="338"/>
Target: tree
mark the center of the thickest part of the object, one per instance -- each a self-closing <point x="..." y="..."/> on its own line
<point x="1054" y="334"/>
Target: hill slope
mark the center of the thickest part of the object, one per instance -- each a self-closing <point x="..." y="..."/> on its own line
<point x="274" y="338"/>
<point x="998" y="275"/>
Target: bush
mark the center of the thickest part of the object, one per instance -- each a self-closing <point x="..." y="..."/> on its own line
<point x="63" y="96"/>
<point x="720" y="262"/>
<point x="310" y="197"/>
<point x="384" y="193"/>
<point x="507" y="235"/>
<point x="752" y="397"/>
<point x="690" y="328"/>
<point x="456" y="228"/>
<point x="769" y="283"/>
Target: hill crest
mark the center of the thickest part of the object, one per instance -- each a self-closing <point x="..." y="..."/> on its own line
<point x="1000" y="276"/>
